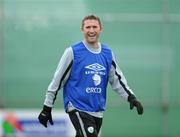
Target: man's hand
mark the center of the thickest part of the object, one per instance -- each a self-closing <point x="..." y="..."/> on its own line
<point x="45" y="116"/>
<point x="135" y="103"/>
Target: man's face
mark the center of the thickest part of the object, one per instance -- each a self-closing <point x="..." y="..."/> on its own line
<point x="91" y="31"/>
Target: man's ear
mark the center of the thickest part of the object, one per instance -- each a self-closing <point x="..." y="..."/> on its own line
<point x="101" y="28"/>
<point x="81" y="29"/>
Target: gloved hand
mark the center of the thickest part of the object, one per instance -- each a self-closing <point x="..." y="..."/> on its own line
<point x="135" y="103"/>
<point x="45" y="116"/>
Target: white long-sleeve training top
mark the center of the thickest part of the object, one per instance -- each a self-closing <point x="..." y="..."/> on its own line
<point x="62" y="73"/>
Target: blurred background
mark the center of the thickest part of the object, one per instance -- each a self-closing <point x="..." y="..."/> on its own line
<point x="145" y="38"/>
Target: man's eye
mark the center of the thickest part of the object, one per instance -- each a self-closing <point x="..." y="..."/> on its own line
<point x="94" y="27"/>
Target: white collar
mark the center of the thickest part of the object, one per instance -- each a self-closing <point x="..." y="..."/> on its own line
<point x="92" y="49"/>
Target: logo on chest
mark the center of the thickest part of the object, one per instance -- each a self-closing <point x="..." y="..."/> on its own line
<point x="96" y="70"/>
<point x="95" y="67"/>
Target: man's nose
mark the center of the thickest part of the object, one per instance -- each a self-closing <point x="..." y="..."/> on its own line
<point x="91" y="29"/>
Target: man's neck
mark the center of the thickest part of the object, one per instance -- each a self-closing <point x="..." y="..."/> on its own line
<point x="92" y="45"/>
<point x="93" y="48"/>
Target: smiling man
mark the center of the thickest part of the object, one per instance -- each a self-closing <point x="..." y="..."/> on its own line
<point x="83" y="72"/>
<point x="91" y="30"/>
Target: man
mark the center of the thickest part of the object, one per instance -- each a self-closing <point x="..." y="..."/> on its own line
<point x="84" y="72"/>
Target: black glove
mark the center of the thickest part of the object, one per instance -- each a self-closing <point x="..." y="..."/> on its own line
<point x="45" y="116"/>
<point x="135" y="103"/>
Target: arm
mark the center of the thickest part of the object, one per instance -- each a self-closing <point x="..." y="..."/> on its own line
<point x="118" y="81"/>
<point x="119" y="85"/>
<point x="60" y="77"/>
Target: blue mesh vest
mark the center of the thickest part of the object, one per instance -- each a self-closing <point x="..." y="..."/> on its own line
<point x="86" y="87"/>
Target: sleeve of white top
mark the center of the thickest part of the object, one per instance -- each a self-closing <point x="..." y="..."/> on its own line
<point x="118" y="81"/>
<point x="60" y="77"/>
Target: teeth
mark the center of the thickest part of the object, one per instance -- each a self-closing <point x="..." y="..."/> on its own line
<point x="92" y="36"/>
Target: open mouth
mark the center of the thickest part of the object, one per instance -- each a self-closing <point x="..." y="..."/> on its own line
<point x="92" y="36"/>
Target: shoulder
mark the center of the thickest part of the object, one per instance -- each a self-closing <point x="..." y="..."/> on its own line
<point x="78" y="45"/>
<point x="68" y="50"/>
<point x="106" y="48"/>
